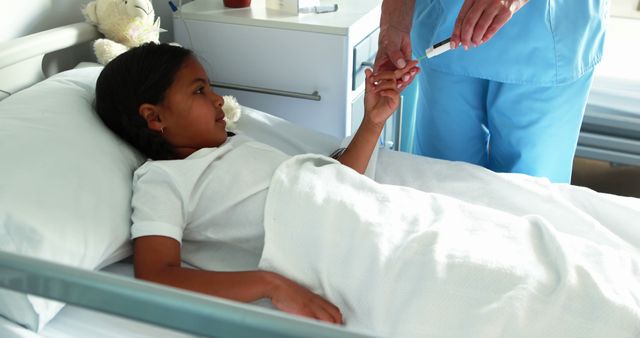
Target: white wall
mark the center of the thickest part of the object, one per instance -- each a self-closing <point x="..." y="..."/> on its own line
<point x="21" y="17"/>
<point x="625" y="8"/>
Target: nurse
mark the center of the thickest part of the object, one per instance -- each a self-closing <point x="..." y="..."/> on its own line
<point x="511" y="94"/>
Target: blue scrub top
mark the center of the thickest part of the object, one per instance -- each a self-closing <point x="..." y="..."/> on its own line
<point x="547" y="42"/>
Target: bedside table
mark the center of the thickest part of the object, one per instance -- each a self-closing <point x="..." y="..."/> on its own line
<point x="308" y="69"/>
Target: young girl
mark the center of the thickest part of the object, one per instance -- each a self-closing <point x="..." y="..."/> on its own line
<point x="201" y="198"/>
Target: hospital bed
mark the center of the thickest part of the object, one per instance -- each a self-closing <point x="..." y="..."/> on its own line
<point x="95" y="281"/>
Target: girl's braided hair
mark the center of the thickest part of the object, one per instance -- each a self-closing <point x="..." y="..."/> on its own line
<point x="140" y="75"/>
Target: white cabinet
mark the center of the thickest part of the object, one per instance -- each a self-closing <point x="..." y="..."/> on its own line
<point x="300" y="68"/>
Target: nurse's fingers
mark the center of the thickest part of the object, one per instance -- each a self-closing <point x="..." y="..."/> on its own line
<point x="398" y="59"/>
<point x="488" y="16"/>
<point x="404" y="74"/>
<point x="469" y="23"/>
<point x="457" y="28"/>
<point x="498" y="22"/>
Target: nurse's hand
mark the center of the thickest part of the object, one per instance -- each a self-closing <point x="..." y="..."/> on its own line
<point x="479" y="20"/>
<point x="394" y="52"/>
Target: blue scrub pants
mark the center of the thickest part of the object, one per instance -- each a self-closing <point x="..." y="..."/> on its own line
<point x="505" y="127"/>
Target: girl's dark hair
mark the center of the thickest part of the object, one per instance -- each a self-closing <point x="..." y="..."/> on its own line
<point x="140" y="75"/>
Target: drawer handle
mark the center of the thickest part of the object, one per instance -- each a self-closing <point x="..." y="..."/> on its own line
<point x="315" y="96"/>
<point x="364" y="64"/>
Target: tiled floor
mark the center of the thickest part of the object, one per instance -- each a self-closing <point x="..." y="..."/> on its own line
<point x="604" y="177"/>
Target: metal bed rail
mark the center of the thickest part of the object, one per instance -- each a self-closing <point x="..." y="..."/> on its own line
<point x="610" y="135"/>
<point x="157" y="304"/>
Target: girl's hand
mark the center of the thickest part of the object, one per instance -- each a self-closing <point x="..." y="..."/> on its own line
<point x="382" y="91"/>
<point x="290" y="297"/>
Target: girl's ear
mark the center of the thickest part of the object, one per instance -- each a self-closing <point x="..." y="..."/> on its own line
<point x="150" y="114"/>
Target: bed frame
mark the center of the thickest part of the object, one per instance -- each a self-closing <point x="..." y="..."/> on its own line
<point x="610" y="135"/>
<point x="21" y="66"/>
<point x="611" y="127"/>
<point x="21" y="59"/>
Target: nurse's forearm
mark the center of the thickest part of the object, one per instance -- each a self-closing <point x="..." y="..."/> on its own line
<point x="397" y="14"/>
<point x="364" y="142"/>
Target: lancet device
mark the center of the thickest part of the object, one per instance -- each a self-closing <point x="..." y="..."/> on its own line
<point x="438" y="48"/>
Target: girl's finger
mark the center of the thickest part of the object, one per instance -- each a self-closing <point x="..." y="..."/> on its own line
<point x="385" y="76"/>
<point x="328" y="312"/>
<point x="367" y="73"/>
<point x="369" y="81"/>
<point x="323" y="315"/>
<point x="335" y="313"/>
<point x="398" y="73"/>
<point x="387" y="85"/>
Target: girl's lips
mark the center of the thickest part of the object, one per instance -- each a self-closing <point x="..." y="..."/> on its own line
<point x="221" y="121"/>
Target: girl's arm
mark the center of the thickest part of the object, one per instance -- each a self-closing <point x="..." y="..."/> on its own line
<point x="381" y="99"/>
<point x="157" y="259"/>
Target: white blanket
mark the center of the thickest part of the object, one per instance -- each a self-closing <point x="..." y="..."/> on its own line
<point x="402" y="262"/>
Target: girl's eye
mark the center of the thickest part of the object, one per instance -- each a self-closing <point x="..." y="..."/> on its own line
<point x="200" y="90"/>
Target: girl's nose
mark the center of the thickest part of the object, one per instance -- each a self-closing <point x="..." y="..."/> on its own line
<point x="217" y="99"/>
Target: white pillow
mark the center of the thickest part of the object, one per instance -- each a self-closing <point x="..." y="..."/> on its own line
<point x="65" y="184"/>
<point x="281" y="134"/>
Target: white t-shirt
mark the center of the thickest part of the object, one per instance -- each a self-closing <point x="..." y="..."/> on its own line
<point x="212" y="202"/>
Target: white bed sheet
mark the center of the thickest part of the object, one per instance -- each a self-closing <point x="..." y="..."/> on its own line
<point x="456" y="179"/>
<point x="501" y="256"/>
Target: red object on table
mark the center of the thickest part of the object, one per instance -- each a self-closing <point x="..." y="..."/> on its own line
<point x="237" y="3"/>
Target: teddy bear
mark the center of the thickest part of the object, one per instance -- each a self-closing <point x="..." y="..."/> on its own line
<point x="130" y="23"/>
<point x="124" y="23"/>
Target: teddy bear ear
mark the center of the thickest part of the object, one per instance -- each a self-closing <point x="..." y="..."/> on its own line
<point x="90" y="13"/>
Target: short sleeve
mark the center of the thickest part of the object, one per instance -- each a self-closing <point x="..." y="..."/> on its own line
<point x="158" y="205"/>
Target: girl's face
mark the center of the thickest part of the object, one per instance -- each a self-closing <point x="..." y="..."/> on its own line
<point x="191" y="116"/>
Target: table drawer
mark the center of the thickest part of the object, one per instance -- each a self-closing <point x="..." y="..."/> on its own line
<point x="364" y="54"/>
